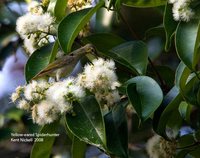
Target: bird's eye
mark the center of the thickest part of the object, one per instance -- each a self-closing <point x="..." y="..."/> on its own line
<point x="92" y="50"/>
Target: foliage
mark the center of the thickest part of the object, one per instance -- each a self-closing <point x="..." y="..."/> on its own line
<point x="165" y="97"/>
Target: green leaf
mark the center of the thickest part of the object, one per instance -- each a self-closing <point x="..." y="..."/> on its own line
<point x="54" y="51"/>
<point x="144" y="3"/>
<point x="78" y="148"/>
<point x="14" y="113"/>
<point x="145" y="95"/>
<point x="182" y="153"/>
<point x="104" y="41"/>
<point x="174" y="98"/>
<point x="170" y="25"/>
<point x="174" y="124"/>
<point x="191" y="90"/>
<point x="186" y="141"/>
<point x="132" y="54"/>
<point x="171" y="101"/>
<point x="88" y="124"/>
<point x="182" y="74"/>
<point x="43" y="149"/>
<point x="117" y="131"/>
<point x="166" y="73"/>
<point x="187" y="43"/>
<point x="57" y="8"/>
<point x="37" y="61"/>
<point x="72" y="24"/>
<point x="185" y="110"/>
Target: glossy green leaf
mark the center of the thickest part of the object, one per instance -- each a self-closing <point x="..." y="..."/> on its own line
<point x="191" y="90"/>
<point x="37" y="61"/>
<point x="166" y="73"/>
<point x="145" y="95"/>
<point x="189" y="95"/>
<point x="54" y="51"/>
<point x="170" y="25"/>
<point x="185" y="141"/>
<point x="58" y="8"/>
<point x="185" y="110"/>
<point x="171" y="102"/>
<point x="72" y="24"/>
<point x="104" y="41"/>
<point x="144" y="3"/>
<point x="78" y="148"/>
<point x="187" y="43"/>
<point x="43" y="149"/>
<point x="117" y="131"/>
<point x="174" y="124"/>
<point x="87" y="124"/>
<point x="182" y="74"/>
<point x="132" y="54"/>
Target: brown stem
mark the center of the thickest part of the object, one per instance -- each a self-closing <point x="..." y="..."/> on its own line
<point x="162" y="82"/>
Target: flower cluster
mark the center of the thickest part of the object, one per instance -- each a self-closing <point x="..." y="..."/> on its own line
<point x="46" y="100"/>
<point x="35" y="27"/>
<point x="182" y="10"/>
<point x="75" y="5"/>
<point x="158" y="147"/>
<point x="100" y="78"/>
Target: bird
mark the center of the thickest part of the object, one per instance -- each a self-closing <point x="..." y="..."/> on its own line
<point x="64" y="65"/>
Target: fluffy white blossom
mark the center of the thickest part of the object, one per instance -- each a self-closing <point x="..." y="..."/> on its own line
<point x="35" y="7"/>
<point x="31" y="23"/>
<point x="17" y="94"/>
<point x="64" y="93"/>
<point x="101" y="79"/>
<point x="182" y="10"/>
<point x="23" y="104"/>
<point x="158" y="147"/>
<point x="35" y="91"/>
<point x="44" y="113"/>
<point x="35" y="29"/>
<point x="30" y="44"/>
<point x="172" y="1"/>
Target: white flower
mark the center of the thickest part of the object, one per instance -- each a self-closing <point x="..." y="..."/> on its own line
<point x="29" y="44"/>
<point x="158" y="147"/>
<point x="15" y="96"/>
<point x="35" y="7"/>
<point x="35" y="91"/>
<point x="101" y="79"/>
<point x="44" y="113"/>
<point x="76" y="5"/>
<point x="35" y="30"/>
<point x="172" y="1"/>
<point x="55" y="94"/>
<point x="63" y="93"/>
<point x="182" y="11"/>
<point x="46" y="22"/>
<point x="23" y="104"/>
<point x="27" y="24"/>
